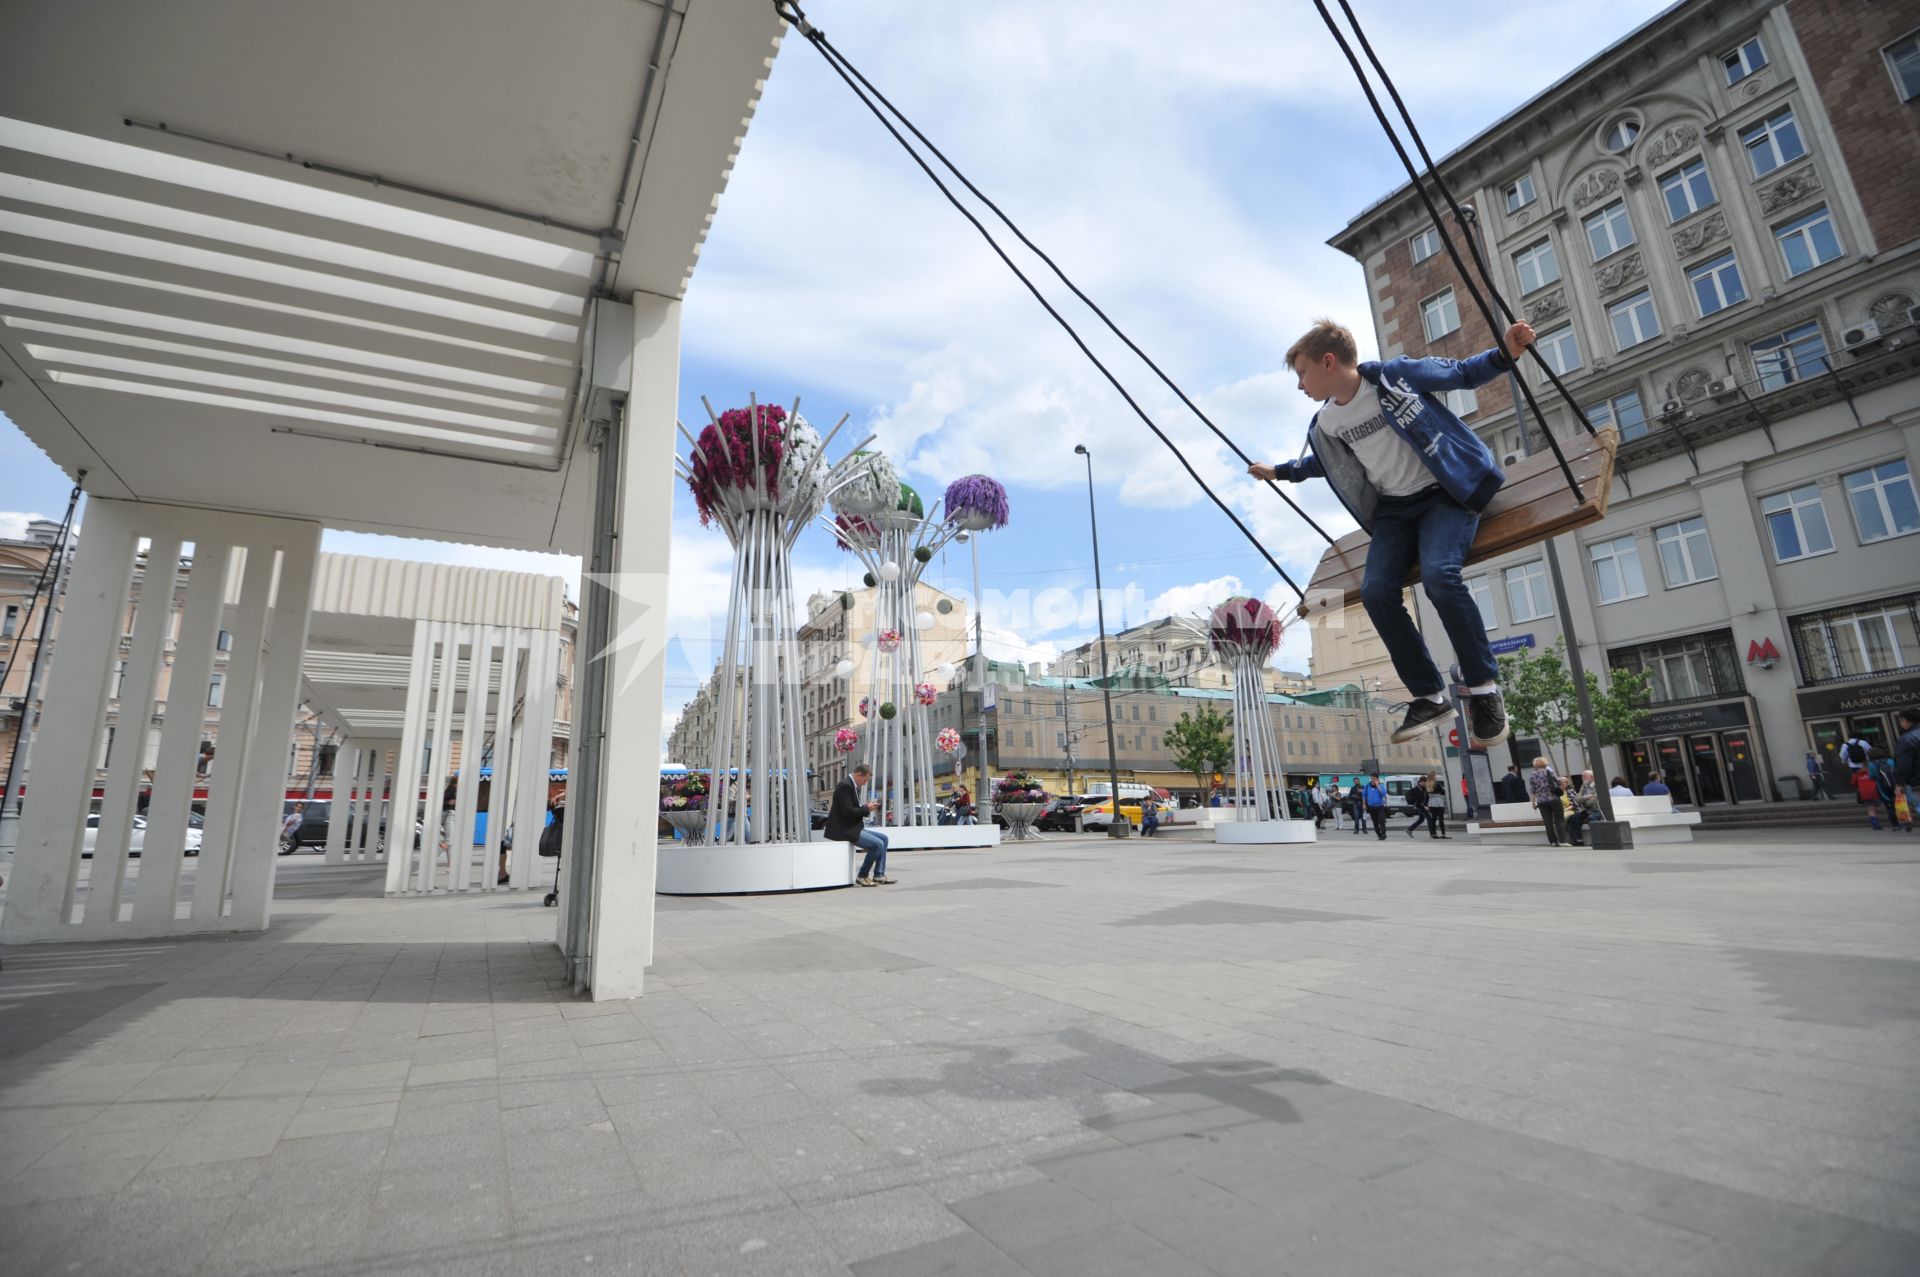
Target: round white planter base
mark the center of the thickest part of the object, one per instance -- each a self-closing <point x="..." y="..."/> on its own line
<point x="755" y="867"/>
<point x="1262" y="832"/>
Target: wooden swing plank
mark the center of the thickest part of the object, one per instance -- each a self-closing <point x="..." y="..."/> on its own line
<point x="1534" y="504"/>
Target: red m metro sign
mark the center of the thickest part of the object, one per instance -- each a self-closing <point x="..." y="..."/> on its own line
<point x="1762" y="653"/>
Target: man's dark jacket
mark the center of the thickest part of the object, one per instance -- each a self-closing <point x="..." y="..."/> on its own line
<point x="846" y="814"/>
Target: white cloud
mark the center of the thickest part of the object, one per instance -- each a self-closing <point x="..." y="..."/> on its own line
<point x="13" y="523"/>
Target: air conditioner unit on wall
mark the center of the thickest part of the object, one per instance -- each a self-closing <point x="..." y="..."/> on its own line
<point x="1722" y="389"/>
<point x="1512" y="459"/>
<point x="1864" y="333"/>
<point x="1672" y="408"/>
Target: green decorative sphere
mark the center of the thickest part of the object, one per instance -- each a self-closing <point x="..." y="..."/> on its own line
<point x="923" y="554"/>
<point x="911" y="503"/>
<point x="846" y="602"/>
<point x="869" y="578"/>
<point x="887" y="709"/>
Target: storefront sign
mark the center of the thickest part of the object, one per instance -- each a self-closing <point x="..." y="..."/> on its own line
<point x="1513" y="644"/>
<point x="1681" y="719"/>
<point x="1877" y="696"/>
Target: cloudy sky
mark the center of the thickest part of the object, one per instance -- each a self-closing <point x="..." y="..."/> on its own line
<point x="1186" y="166"/>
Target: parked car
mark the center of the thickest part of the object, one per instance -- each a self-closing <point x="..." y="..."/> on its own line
<point x="1060" y="814"/>
<point x="137" y="836"/>
<point x="1098" y="813"/>
<point x="318" y="817"/>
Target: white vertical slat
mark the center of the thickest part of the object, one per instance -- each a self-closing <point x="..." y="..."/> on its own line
<point x="120" y="793"/>
<point x="383" y="808"/>
<point x="174" y="774"/>
<point x="224" y="833"/>
<point x="403" y="809"/>
<point x="46" y="866"/>
<point x="503" y="798"/>
<point x="439" y="768"/>
<point x="340" y="811"/>
<point x="488" y="682"/>
<point x="270" y="727"/>
<point x="536" y="748"/>
<point x="473" y="731"/>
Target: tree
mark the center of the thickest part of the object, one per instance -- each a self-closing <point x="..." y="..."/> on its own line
<point x="1201" y="742"/>
<point x="1540" y="697"/>
<point x="1619" y="711"/>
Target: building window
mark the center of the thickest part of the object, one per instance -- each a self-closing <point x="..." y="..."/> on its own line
<point x="1560" y="349"/>
<point x="1439" y="315"/>
<point x="216" y="691"/>
<point x="1623" y="410"/>
<point x="1609" y="230"/>
<point x="1807" y="242"/>
<point x="1784" y="358"/>
<point x="1620" y="134"/>
<point x="1616" y="569"/>
<point x="225" y="642"/>
<point x="1716" y="284"/>
<point x="1425" y="244"/>
<point x="1528" y="596"/>
<point x="1520" y="194"/>
<point x="1688" y="189"/>
<point x="1695" y="668"/>
<point x="1773" y="142"/>
<point x="1798" y="523"/>
<point x="1536" y="266"/>
<point x="1903" y="61"/>
<point x="1633" y="321"/>
<point x="1883" y="501"/>
<point x="12" y="621"/>
<point x="1462" y="401"/>
<point x="1882" y="637"/>
<point x="1481" y="587"/>
<point x="1686" y="553"/>
<point x="1744" y="61"/>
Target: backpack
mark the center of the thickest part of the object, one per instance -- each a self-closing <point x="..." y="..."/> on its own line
<point x="1856" y="752"/>
<point x="550" y="836"/>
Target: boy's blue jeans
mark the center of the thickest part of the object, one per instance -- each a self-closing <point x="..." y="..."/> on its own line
<point x="875" y="843"/>
<point x="1438" y="531"/>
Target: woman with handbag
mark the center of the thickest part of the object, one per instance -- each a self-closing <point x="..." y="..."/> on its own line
<point x="1547" y="794"/>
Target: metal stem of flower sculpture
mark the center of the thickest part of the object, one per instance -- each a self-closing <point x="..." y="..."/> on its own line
<point x="759" y="785"/>
<point x="899" y="749"/>
<point x="1243" y="633"/>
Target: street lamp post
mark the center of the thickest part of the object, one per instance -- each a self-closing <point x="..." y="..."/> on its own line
<point x="1366" y="698"/>
<point x="980" y="664"/>
<point x="1117" y="826"/>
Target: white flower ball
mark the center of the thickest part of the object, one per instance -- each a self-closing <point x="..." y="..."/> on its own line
<point x="844" y="668"/>
<point x="872" y="485"/>
<point x="924" y="621"/>
<point x="803" y="470"/>
<point x="889" y="571"/>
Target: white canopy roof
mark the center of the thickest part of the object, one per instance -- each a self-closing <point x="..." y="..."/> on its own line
<point x="334" y="260"/>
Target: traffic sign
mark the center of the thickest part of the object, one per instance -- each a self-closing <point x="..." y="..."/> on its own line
<point x="1453" y="737"/>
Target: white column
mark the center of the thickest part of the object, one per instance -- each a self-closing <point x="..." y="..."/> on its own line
<point x="503" y="799"/>
<point x="404" y="778"/>
<point x="224" y="830"/>
<point x="535" y="754"/>
<point x="271" y="728"/>
<point x="46" y="864"/>
<point x="438" y="766"/>
<point x="622" y="930"/>
<point x="383" y="804"/>
<point x="340" y="817"/>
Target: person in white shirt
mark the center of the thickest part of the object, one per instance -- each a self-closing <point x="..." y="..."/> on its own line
<point x="1617" y="788"/>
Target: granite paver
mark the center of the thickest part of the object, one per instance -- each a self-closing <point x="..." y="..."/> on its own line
<point x="1157" y="1057"/>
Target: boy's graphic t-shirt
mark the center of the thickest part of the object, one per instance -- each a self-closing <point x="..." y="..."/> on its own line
<point x="1390" y="461"/>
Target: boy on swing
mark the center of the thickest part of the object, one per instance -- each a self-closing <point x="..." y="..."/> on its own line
<point x="1417" y="479"/>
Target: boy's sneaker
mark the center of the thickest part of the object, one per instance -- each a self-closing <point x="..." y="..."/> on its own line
<point x="1420" y="714"/>
<point x="1487" y="719"/>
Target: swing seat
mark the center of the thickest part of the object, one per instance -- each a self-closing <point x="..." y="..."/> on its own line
<point x="1535" y="504"/>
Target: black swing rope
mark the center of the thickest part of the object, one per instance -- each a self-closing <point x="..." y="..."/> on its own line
<point x="791" y="12"/>
<point x="1433" y="175"/>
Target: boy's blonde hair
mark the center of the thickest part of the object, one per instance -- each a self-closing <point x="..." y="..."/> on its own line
<point x="1325" y="338"/>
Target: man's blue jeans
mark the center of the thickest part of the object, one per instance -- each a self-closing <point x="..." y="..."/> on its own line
<point x="876" y="844"/>
<point x="1438" y="531"/>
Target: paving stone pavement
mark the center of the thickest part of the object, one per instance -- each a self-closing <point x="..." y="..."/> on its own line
<point x="1080" y="1057"/>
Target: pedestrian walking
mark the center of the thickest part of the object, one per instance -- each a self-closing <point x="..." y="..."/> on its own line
<point x="1376" y="800"/>
<point x="1437" y="810"/>
<point x="290" y="828"/>
<point x="1548" y="795"/>
<point x="1866" y="790"/>
<point x="1417" y="799"/>
<point x="1322" y="806"/>
<point x="1585" y="801"/>
<point x="1417" y="479"/>
<point x="1816" y="776"/>
<point x="963" y="804"/>
<point x="847" y="822"/>
<point x="1357" y="804"/>
<point x="1906" y="764"/>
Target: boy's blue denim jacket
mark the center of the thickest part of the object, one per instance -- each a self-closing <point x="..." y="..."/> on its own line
<point x="1410" y="391"/>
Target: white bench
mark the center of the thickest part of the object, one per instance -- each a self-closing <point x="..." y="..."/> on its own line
<point x="1652" y="818"/>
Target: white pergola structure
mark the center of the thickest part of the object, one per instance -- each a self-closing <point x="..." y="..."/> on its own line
<point x="409" y="661"/>
<point x="270" y="267"/>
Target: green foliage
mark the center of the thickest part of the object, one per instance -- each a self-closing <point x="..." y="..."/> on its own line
<point x="1619" y="711"/>
<point x="1200" y="742"/>
<point x="1541" y="701"/>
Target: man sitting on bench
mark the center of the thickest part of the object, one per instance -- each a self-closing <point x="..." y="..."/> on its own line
<point x="1417" y="479"/>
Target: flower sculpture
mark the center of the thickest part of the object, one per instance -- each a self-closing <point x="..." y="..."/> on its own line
<point x="977" y="503"/>
<point x="926" y="693"/>
<point x="866" y="707"/>
<point x="870" y="486"/>
<point x="856" y="530"/>
<point x="910" y="503"/>
<point x="1244" y="633"/>
<point x="688" y="793"/>
<point x="888" y="641"/>
<point x="1243" y="624"/>
<point x="1018" y="787"/>
<point x="846" y="740"/>
<point x="947" y="741"/>
<point x="740" y="454"/>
